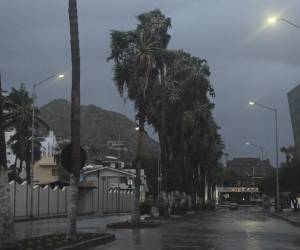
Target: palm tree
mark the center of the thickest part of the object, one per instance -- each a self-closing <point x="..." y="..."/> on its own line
<point x="75" y="118"/>
<point x="135" y="56"/>
<point x="19" y="116"/>
<point x="7" y="232"/>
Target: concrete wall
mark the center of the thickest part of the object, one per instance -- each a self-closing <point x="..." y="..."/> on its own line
<point x="51" y="202"/>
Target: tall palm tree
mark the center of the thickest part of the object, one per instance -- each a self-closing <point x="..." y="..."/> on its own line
<point x="75" y="118"/>
<point x="134" y="54"/>
<point x="7" y="232"/>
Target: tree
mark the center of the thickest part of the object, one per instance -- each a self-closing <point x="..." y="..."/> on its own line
<point x="184" y="125"/>
<point x="136" y="56"/>
<point x="289" y="174"/>
<point x="75" y="118"/>
<point x="7" y="232"/>
<point x="18" y="105"/>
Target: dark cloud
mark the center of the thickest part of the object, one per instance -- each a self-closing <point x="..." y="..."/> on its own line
<point x="248" y="60"/>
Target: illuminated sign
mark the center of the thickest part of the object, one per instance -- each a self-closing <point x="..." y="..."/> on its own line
<point x="238" y="189"/>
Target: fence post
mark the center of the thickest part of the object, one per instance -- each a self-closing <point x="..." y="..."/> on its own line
<point x="103" y="178"/>
<point x="26" y="199"/>
<point x="92" y="199"/>
<point x="48" y="187"/>
<point x="106" y="195"/>
<point x="129" y="200"/>
<point x="38" y="212"/>
<point x="66" y="200"/>
<point x="121" y="200"/>
<point x="57" y="198"/>
<point x="15" y="192"/>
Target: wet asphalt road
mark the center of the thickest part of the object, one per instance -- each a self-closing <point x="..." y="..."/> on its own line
<point x="246" y="228"/>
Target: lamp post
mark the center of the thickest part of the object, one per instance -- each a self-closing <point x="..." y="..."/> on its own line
<point x="273" y="20"/>
<point x="251" y="103"/>
<point x="35" y="85"/>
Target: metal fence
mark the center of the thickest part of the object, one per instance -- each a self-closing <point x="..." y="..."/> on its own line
<point x="49" y="201"/>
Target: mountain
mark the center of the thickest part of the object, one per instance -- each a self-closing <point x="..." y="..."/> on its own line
<point x="98" y="127"/>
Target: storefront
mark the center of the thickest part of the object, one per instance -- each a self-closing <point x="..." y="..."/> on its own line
<point x="240" y="195"/>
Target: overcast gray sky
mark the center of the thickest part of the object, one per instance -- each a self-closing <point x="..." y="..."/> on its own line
<point x="248" y="59"/>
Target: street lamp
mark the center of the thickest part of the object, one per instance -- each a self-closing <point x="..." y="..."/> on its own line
<point x="35" y="85"/>
<point x="251" y="103"/>
<point x="273" y="20"/>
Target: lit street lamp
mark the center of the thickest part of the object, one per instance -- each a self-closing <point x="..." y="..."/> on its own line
<point x="273" y="20"/>
<point x="251" y="103"/>
<point x="57" y="76"/>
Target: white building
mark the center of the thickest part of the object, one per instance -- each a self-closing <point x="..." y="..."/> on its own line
<point x="114" y="178"/>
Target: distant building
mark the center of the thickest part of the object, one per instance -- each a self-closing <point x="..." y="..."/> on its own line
<point x="294" y="104"/>
<point x="245" y="176"/>
<point x="249" y="167"/>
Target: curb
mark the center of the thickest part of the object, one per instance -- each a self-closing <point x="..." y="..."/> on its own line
<point x="24" y="219"/>
<point x="297" y="224"/>
<point x="126" y="225"/>
<point x="60" y="216"/>
<point x="89" y="243"/>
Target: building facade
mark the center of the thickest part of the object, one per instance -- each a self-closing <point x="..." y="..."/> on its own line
<point x="294" y="105"/>
<point x="116" y="179"/>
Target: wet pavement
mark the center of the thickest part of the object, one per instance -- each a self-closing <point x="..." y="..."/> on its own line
<point x="94" y="223"/>
<point x="246" y="228"/>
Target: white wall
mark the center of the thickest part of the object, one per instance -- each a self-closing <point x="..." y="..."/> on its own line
<point x="51" y="202"/>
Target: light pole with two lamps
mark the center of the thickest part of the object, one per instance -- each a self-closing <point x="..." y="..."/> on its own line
<point x="35" y="85"/>
<point x="251" y="103"/>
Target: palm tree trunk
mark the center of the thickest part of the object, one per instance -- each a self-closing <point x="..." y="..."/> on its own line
<point x="75" y="118"/>
<point x="163" y="145"/>
<point x="7" y="230"/>
<point x="135" y="218"/>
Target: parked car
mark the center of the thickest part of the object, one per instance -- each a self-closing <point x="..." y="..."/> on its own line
<point x="233" y="206"/>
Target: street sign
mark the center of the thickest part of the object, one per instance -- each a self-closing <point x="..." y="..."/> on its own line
<point x="65" y="158"/>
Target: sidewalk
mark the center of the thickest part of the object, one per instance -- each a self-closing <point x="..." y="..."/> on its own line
<point x="288" y="215"/>
<point x="91" y="223"/>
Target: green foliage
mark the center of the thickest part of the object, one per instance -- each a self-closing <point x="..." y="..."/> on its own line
<point x="171" y="90"/>
<point x="289" y="178"/>
<point x="18" y="106"/>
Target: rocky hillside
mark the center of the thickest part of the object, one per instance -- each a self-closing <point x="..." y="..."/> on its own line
<point x="97" y="127"/>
